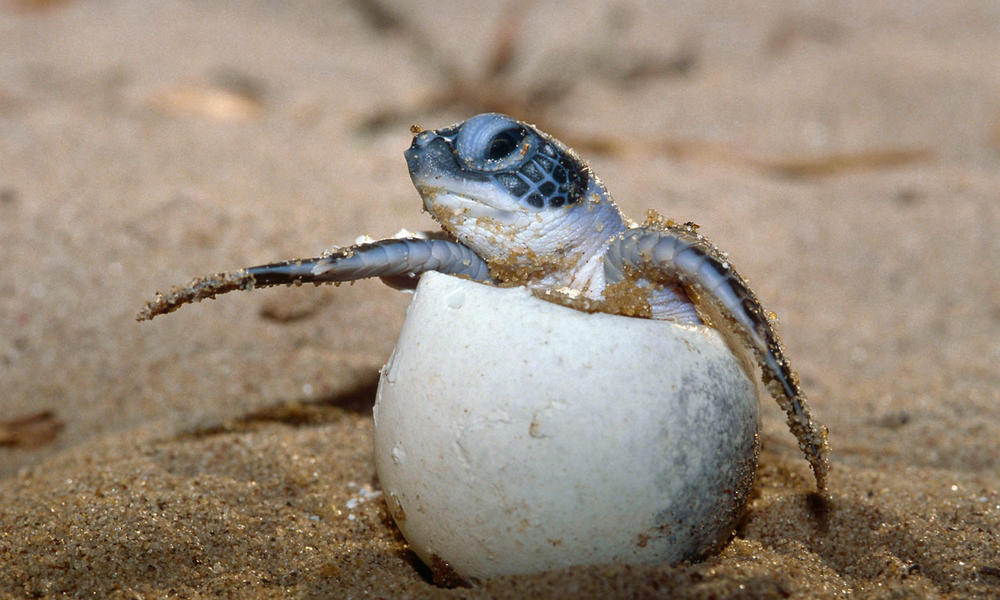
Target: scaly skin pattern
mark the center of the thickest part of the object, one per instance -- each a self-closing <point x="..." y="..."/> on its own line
<point x="517" y="207"/>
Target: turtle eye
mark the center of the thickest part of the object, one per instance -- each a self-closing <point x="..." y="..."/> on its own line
<point x="491" y="143"/>
<point x="505" y="142"/>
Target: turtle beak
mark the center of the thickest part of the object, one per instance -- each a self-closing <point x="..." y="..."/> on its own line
<point x="428" y="157"/>
<point x="415" y="153"/>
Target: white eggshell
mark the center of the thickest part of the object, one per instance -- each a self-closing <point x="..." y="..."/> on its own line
<point x="513" y="435"/>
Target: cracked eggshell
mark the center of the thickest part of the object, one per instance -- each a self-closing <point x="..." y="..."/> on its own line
<point x="513" y="435"/>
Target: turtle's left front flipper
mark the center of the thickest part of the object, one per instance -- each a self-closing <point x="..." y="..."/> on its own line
<point x="668" y="253"/>
<point x="399" y="261"/>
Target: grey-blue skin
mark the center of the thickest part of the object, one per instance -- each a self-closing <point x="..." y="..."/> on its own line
<point x="520" y="208"/>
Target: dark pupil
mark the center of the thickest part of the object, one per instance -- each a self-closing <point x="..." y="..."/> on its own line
<point x="505" y="142"/>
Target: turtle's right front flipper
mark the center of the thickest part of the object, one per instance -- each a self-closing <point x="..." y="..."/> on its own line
<point x="669" y="253"/>
<point x="398" y="261"/>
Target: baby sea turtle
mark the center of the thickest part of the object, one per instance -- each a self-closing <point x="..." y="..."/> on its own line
<point x="518" y="207"/>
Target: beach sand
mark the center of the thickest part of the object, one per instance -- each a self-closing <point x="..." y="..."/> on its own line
<point x="847" y="157"/>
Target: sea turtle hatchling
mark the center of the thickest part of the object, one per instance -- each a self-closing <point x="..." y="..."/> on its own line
<point x="518" y="207"/>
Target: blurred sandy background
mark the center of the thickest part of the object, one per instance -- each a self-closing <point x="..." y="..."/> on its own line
<point x="846" y="154"/>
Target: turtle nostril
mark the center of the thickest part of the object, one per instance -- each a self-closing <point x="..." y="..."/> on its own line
<point x="422" y="139"/>
<point x="429" y="151"/>
<point x="416" y="154"/>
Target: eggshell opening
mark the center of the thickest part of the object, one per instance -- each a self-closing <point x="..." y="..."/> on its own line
<point x="513" y="435"/>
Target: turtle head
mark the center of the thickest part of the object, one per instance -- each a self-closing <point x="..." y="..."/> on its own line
<point x="505" y="189"/>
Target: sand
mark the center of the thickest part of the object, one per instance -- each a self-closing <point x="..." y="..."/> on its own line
<point x="847" y="157"/>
